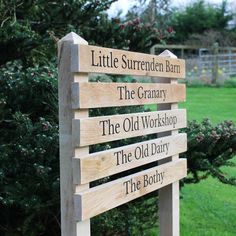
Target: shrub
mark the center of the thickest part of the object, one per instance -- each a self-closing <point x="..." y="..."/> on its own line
<point x="29" y="170"/>
<point x="210" y="148"/>
<point x="133" y="218"/>
<point x="230" y="83"/>
<point x="195" y="83"/>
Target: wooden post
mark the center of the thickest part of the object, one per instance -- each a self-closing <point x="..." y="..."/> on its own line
<point x="69" y="227"/>
<point x="230" y="62"/>
<point x="169" y="195"/>
<point x="182" y="53"/>
<point x="215" y="66"/>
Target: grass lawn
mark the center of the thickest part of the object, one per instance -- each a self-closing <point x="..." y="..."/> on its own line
<point x="218" y="104"/>
<point x="209" y="207"/>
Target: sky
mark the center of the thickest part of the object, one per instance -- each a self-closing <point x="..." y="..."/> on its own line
<point x="124" y="5"/>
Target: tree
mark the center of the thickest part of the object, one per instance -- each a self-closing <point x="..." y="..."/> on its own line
<point x="26" y="26"/>
<point x="30" y="28"/>
<point x="149" y="22"/>
<point x="198" y="18"/>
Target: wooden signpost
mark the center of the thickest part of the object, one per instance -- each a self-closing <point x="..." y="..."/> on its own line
<point x="78" y="167"/>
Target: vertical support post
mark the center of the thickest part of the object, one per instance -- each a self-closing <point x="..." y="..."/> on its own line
<point x="230" y="71"/>
<point x="182" y="53"/>
<point x="69" y="227"/>
<point x="215" y="50"/>
<point x="152" y="50"/>
<point x="169" y="195"/>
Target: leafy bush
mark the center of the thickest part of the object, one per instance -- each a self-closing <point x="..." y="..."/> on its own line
<point x="133" y="218"/>
<point x="195" y="83"/>
<point x="200" y="17"/>
<point x="230" y="83"/>
<point x="29" y="170"/>
<point x="29" y="33"/>
<point x="28" y="30"/>
<point x="198" y="82"/>
<point x="210" y="148"/>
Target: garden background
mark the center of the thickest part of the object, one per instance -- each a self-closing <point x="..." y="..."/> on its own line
<point x="29" y="159"/>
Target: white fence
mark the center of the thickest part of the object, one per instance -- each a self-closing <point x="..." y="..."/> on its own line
<point x="223" y="61"/>
<point x="209" y="64"/>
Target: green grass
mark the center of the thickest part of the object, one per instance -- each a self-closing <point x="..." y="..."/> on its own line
<point x="218" y="104"/>
<point x="209" y="207"/>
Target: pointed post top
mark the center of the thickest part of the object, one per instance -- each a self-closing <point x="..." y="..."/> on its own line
<point x="167" y="53"/>
<point x="72" y="38"/>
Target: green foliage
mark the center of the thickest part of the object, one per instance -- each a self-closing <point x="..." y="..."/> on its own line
<point x="133" y="34"/>
<point x="26" y="26"/>
<point x="225" y="38"/>
<point x="197" y="83"/>
<point x="29" y="31"/>
<point x="29" y="170"/>
<point x="230" y="83"/>
<point x="130" y="219"/>
<point x="199" y="17"/>
<point x="152" y="23"/>
<point x="209" y="148"/>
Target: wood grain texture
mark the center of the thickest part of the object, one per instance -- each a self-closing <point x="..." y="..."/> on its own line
<point x="94" y="130"/>
<point x="93" y="59"/>
<point x="93" y="95"/>
<point x="169" y="195"/>
<point x="96" y="201"/>
<point x="102" y="164"/>
<point x="67" y="189"/>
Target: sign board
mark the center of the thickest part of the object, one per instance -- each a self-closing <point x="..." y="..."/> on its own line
<point x="92" y="59"/>
<point x="98" y="165"/>
<point x="78" y="131"/>
<point x="94" y="201"/>
<point x="93" y="95"/>
<point x="88" y="131"/>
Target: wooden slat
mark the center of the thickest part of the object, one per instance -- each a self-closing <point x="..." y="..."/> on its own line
<point x="102" y="198"/>
<point x="92" y="95"/>
<point x="92" y="59"/>
<point x="102" y="129"/>
<point x="102" y="164"/>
